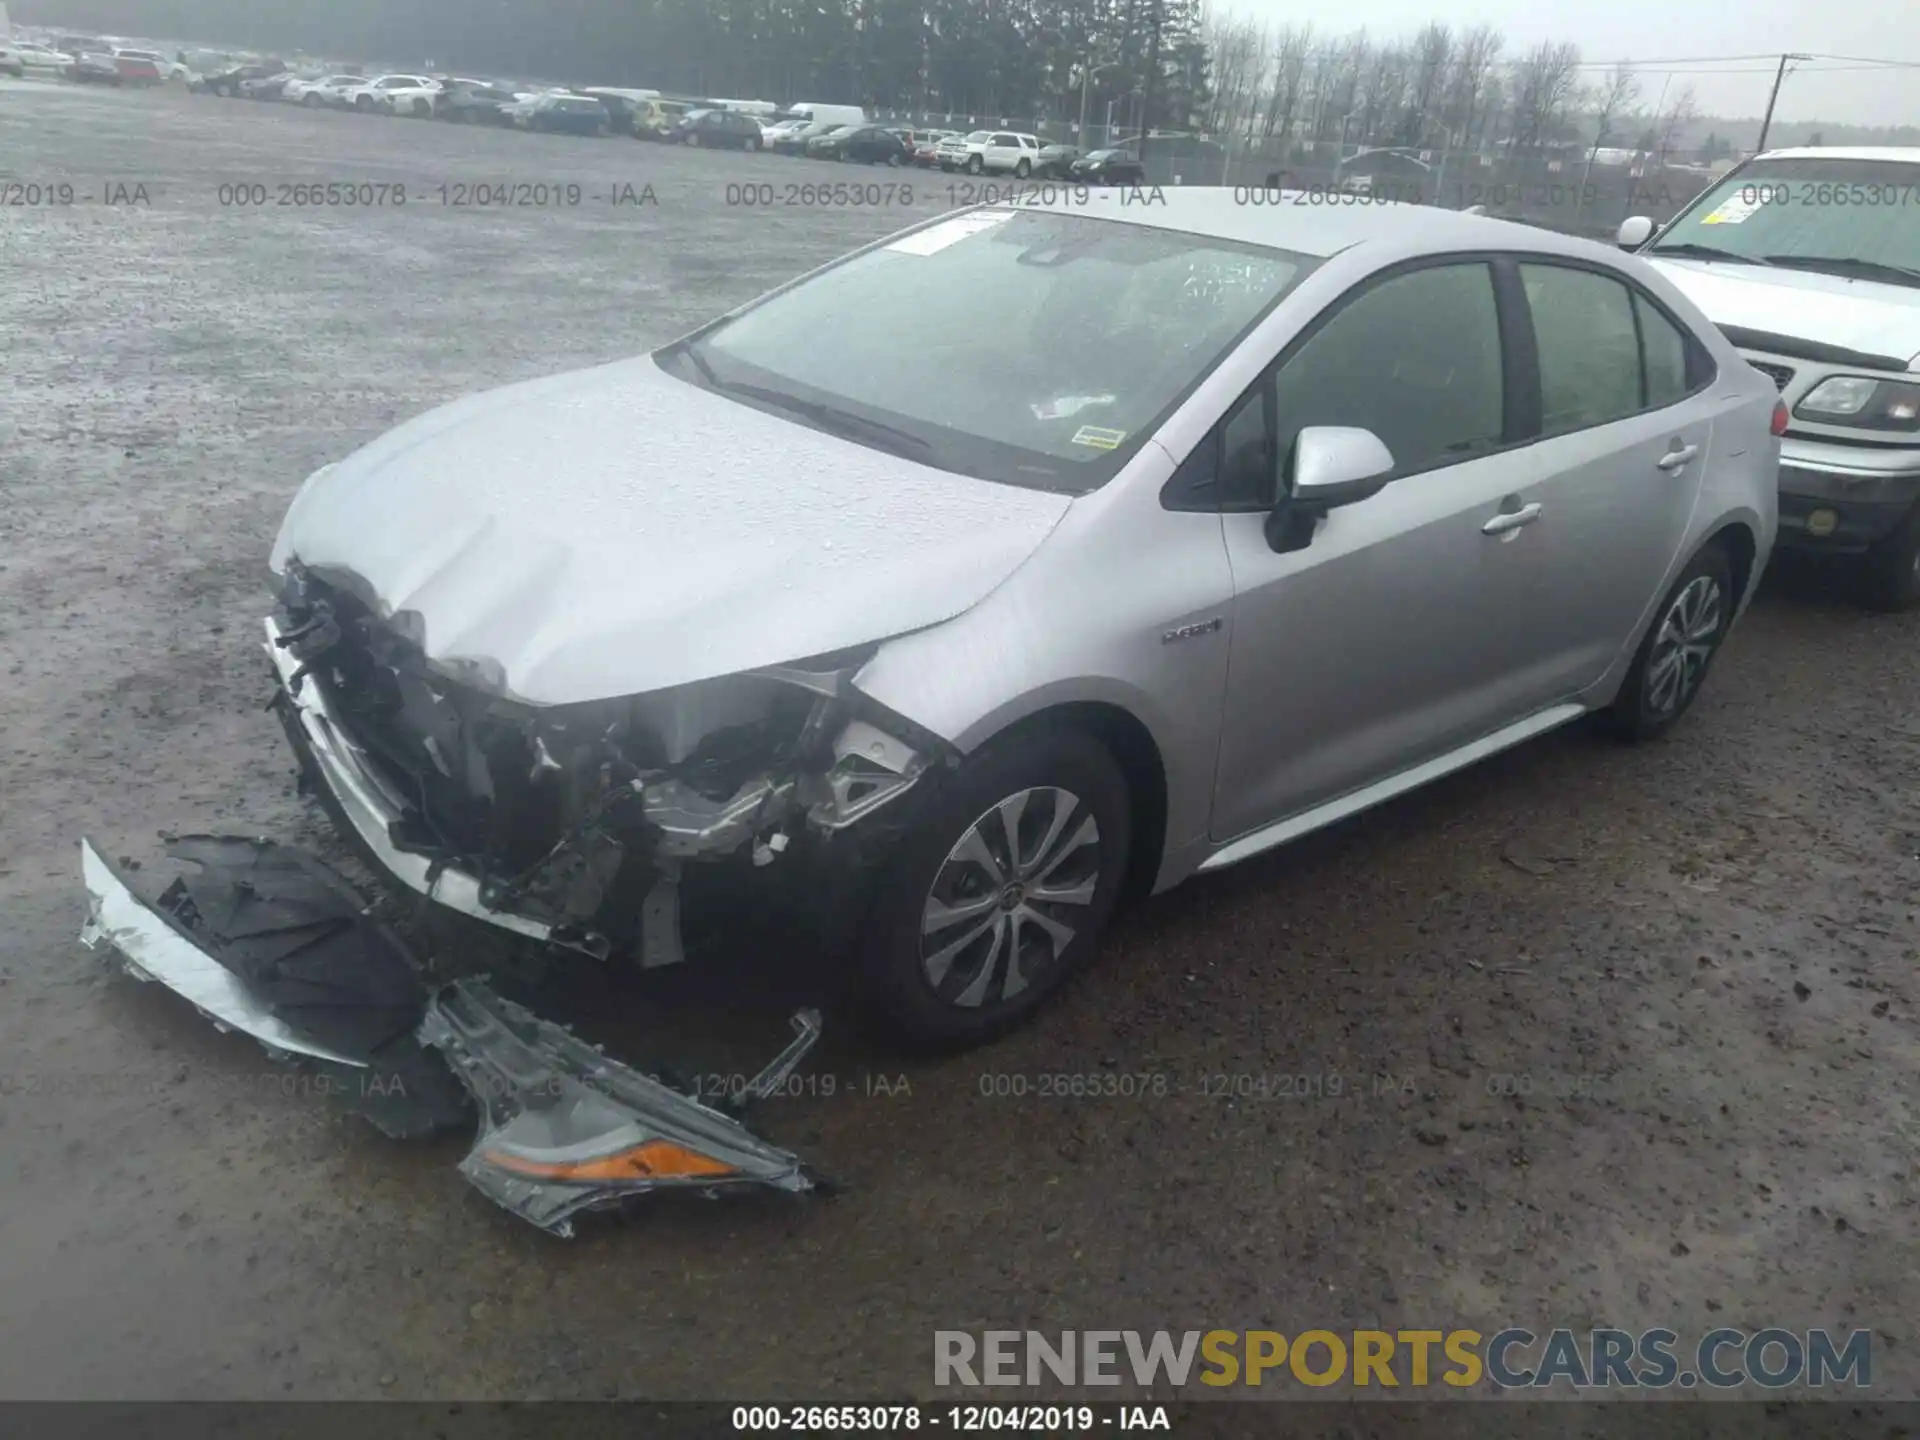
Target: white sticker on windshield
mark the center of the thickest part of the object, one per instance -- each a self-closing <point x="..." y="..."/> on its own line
<point x="1732" y="210"/>
<point x="1099" y="437"/>
<point x="935" y="238"/>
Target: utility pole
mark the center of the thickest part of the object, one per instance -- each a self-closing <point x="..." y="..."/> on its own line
<point x="1153" y="77"/>
<point x="1778" y="75"/>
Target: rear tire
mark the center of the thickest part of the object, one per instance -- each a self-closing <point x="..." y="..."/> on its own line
<point x="969" y="936"/>
<point x="1890" y="580"/>
<point x="1677" y="651"/>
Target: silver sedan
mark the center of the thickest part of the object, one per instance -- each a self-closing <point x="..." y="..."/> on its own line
<point x="1034" y="556"/>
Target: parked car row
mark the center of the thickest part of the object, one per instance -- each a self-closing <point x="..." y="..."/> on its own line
<point x="82" y="59"/>
<point x="815" y="131"/>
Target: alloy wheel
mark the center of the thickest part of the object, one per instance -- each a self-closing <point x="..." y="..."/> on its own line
<point x="1685" y="642"/>
<point x="1005" y="904"/>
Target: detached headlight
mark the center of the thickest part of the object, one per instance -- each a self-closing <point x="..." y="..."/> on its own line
<point x="1864" y="402"/>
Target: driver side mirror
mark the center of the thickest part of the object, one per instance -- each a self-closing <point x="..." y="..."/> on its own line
<point x="1331" y="466"/>
<point x="1634" y="232"/>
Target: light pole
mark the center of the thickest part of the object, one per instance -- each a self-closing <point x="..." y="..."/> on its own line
<point x="1766" y="123"/>
<point x="1087" y="75"/>
<point x="1340" y="151"/>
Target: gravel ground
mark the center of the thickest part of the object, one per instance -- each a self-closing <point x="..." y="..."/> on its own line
<point x="1700" y="953"/>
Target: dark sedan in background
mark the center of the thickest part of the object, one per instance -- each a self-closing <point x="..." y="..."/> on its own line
<point x="93" y="69"/>
<point x="266" y="87"/>
<point x="1055" y="162"/>
<point x="228" y="82"/>
<point x="868" y="144"/>
<point x="567" y="115"/>
<point x="1108" y="167"/>
<point x="474" y="102"/>
<point x="724" y="129"/>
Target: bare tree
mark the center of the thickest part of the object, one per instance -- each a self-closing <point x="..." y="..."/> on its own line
<point x="1237" y="52"/>
<point x="1432" y="58"/>
<point x="1544" y="84"/>
<point x="1613" y="97"/>
<point x="1380" y="94"/>
<point x="1610" y="99"/>
<point x="1467" y="108"/>
<point x="1290" y="51"/>
<point x="1681" y="111"/>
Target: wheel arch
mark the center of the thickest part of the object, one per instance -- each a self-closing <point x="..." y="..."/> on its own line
<point x="1742" y="545"/>
<point x="1138" y="754"/>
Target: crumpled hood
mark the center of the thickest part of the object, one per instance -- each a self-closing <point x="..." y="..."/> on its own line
<point x="615" y="530"/>
<point x="1858" y="315"/>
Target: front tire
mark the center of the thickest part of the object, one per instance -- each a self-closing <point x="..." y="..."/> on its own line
<point x="1679" y="648"/>
<point x="1001" y="892"/>
<point x="975" y="165"/>
<point x="751" y="145"/>
<point x="1891" y="579"/>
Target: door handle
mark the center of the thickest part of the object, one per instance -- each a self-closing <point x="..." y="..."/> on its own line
<point x="1511" y="519"/>
<point x="1677" y="457"/>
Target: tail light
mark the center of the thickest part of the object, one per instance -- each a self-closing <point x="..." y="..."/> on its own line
<point x="1779" y="426"/>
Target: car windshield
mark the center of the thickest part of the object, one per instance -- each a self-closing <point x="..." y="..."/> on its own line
<point x="979" y="136"/>
<point x="1097" y="330"/>
<point x="1108" y="155"/>
<point x="1859" y="218"/>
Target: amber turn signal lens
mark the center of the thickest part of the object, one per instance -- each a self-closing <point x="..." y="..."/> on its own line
<point x="654" y="1160"/>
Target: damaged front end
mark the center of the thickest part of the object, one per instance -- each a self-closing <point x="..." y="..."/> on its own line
<point x="581" y="824"/>
<point x="270" y="942"/>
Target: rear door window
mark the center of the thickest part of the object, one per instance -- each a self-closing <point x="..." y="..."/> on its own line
<point x="1589" y="346"/>
<point x="1663" y="354"/>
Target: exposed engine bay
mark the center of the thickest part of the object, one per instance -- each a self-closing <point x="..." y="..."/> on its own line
<point x="574" y="826"/>
<point x="585" y="818"/>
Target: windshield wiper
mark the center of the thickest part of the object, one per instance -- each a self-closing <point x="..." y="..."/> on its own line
<point x="1707" y="252"/>
<point x="1850" y="265"/>
<point x="828" y="417"/>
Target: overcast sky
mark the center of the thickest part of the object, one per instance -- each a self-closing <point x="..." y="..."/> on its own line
<point x="1607" y="30"/>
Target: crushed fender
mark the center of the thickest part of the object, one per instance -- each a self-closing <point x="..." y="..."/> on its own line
<point x="269" y="941"/>
<point x="565" y="1129"/>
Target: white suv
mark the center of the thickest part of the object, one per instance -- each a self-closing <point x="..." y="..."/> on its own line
<point x="396" y="94"/>
<point x="1004" y="152"/>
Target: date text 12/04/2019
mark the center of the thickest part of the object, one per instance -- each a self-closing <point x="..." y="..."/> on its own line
<point x="451" y="195"/>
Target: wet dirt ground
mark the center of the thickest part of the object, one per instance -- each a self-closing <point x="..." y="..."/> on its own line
<point x="1588" y="1035"/>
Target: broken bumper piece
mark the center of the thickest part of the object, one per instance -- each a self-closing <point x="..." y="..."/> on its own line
<point x="372" y="809"/>
<point x="564" y="1129"/>
<point x="270" y="942"/>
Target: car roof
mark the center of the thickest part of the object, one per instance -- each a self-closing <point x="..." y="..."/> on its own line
<point x="1318" y="230"/>
<point x="1906" y="154"/>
